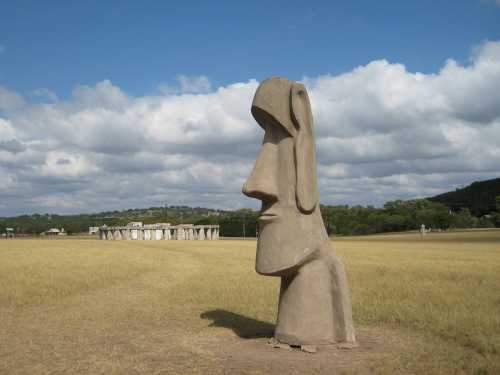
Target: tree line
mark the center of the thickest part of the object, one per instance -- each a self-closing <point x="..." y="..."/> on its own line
<point x="394" y="216"/>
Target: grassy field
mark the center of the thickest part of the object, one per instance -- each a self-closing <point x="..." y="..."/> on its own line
<point x="421" y="305"/>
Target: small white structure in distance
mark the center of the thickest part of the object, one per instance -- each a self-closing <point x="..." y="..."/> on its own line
<point x="9" y="233"/>
<point x="135" y="224"/>
<point x="93" y="230"/>
<point x="54" y="232"/>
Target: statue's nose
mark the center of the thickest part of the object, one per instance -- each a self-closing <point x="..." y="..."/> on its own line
<point x="262" y="183"/>
<point x="260" y="190"/>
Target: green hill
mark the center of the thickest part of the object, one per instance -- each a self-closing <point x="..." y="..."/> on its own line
<point x="479" y="197"/>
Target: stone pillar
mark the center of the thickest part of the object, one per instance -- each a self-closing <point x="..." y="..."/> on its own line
<point x="109" y="234"/>
<point x="140" y="234"/>
<point x="201" y="234"/>
<point x="102" y="233"/>
<point x="191" y="234"/>
<point x="209" y="233"/>
<point x="167" y="234"/>
<point x="158" y="234"/>
<point x="116" y="234"/>
<point x="180" y="233"/>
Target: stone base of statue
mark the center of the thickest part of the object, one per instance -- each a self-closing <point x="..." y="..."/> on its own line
<point x="314" y="306"/>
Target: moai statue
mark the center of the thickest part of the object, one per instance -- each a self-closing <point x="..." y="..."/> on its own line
<point x="314" y="303"/>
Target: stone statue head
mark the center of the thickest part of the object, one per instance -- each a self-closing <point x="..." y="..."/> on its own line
<point x="284" y="178"/>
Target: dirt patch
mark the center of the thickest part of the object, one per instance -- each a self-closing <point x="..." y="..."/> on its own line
<point x="232" y="354"/>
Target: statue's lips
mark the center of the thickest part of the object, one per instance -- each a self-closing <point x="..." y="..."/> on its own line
<point x="267" y="216"/>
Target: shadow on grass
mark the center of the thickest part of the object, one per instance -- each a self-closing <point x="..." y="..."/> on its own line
<point x="243" y="326"/>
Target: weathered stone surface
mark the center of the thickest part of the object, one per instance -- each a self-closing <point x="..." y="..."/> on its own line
<point x="309" y="348"/>
<point x="314" y="304"/>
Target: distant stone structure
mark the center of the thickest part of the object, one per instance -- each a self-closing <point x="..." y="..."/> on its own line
<point x="159" y="231"/>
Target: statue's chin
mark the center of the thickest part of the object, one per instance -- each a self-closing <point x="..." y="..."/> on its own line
<point x="286" y="243"/>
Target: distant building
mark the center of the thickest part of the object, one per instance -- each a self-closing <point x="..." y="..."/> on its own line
<point x="55" y="232"/>
<point x="135" y="224"/>
<point x="9" y="233"/>
<point x="93" y="230"/>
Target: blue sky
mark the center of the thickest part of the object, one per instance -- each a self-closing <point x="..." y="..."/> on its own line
<point x="114" y="105"/>
<point x="139" y="45"/>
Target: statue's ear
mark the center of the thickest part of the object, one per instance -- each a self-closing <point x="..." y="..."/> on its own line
<point x="305" y="149"/>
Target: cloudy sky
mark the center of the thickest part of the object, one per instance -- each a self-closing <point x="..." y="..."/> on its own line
<point x="113" y="107"/>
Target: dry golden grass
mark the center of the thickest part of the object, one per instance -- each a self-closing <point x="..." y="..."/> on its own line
<point x="85" y="306"/>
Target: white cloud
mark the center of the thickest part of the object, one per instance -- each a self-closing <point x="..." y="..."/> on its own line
<point x="7" y="132"/>
<point x="187" y="85"/>
<point x="103" y="96"/>
<point x="195" y="85"/>
<point x="9" y="100"/>
<point x="67" y="165"/>
<point x="490" y="2"/>
<point x="383" y="133"/>
<point x="45" y="94"/>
